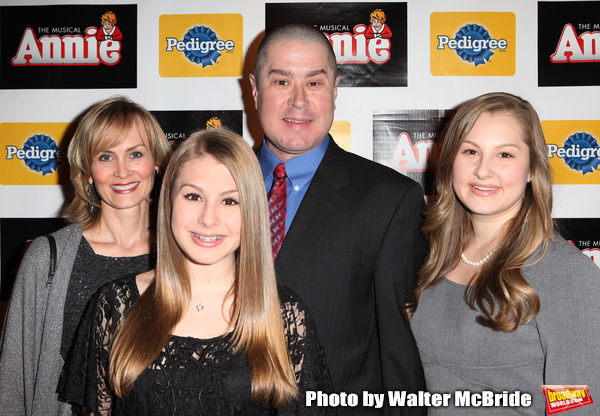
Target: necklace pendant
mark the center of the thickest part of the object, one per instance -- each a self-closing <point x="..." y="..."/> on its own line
<point x="199" y="307"/>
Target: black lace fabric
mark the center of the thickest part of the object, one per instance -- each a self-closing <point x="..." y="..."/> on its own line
<point x="190" y="376"/>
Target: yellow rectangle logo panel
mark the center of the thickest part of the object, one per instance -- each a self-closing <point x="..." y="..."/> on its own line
<point x="32" y="153"/>
<point x="340" y="131"/>
<point x="573" y="150"/>
<point x="200" y="45"/>
<point x="472" y="43"/>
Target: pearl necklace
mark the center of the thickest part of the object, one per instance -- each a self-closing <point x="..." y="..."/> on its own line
<point x="476" y="263"/>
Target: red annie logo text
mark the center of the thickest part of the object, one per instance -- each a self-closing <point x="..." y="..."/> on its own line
<point x="366" y="44"/>
<point x="99" y="45"/>
<point x="573" y="48"/>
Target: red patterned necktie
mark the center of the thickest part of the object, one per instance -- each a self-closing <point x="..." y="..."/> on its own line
<point x="277" y="204"/>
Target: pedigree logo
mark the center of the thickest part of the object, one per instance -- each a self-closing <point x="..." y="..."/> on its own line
<point x="208" y="45"/>
<point x="573" y="150"/>
<point x="68" y="46"/>
<point x="340" y="131"/>
<point x="472" y="43"/>
<point x="32" y="153"/>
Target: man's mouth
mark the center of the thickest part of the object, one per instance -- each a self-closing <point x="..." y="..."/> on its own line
<point x="290" y="120"/>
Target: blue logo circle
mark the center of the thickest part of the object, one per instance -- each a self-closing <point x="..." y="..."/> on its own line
<point x="580" y="161"/>
<point x="198" y="35"/>
<point x="474" y="32"/>
<point x="38" y="149"/>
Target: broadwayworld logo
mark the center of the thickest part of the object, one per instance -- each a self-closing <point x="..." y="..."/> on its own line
<point x="560" y="398"/>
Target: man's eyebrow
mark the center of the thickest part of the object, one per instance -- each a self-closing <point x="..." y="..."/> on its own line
<point x="287" y="73"/>
<point x="316" y="72"/>
<point x="282" y="72"/>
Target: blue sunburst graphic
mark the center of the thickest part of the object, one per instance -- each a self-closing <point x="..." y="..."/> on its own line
<point x="584" y="141"/>
<point x="42" y="142"/>
<point x="201" y="34"/>
<point x="476" y="32"/>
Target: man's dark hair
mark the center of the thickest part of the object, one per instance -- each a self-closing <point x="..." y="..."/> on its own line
<point x="293" y="31"/>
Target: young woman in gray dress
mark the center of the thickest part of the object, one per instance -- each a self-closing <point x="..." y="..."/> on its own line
<point x="114" y="156"/>
<point x="207" y="332"/>
<point x="502" y="303"/>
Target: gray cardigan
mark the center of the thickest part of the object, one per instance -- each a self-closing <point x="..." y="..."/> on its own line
<point x="30" y="361"/>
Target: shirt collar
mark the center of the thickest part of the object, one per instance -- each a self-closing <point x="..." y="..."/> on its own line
<point x="299" y="169"/>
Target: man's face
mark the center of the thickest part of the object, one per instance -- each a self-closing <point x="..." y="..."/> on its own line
<point x="295" y="97"/>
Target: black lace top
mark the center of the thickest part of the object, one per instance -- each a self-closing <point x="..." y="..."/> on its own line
<point x="190" y="376"/>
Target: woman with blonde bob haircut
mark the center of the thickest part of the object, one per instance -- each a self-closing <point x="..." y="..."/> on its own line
<point x="208" y="331"/>
<point x="105" y="126"/>
<point x="114" y="156"/>
<point x="501" y="301"/>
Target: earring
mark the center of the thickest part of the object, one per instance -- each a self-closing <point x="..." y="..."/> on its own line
<point x="91" y="197"/>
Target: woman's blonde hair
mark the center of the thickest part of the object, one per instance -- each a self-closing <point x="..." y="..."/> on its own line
<point x="105" y="126"/>
<point x="498" y="290"/>
<point x="256" y="314"/>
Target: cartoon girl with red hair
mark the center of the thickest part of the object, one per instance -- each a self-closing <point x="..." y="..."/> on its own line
<point x="378" y="28"/>
<point x="109" y="29"/>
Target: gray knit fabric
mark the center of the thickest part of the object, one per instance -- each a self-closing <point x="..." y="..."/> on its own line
<point x="30" y="360"/>
<point x="30" y="363"/>
<point x="561" y="346"/>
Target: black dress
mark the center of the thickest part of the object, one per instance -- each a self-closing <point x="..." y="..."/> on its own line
<point x="190" y="376"/>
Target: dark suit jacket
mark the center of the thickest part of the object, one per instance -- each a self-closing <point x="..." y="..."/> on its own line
<point x="352" y="253"/>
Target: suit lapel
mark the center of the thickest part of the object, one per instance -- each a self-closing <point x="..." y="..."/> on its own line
<point x="322" y="202"/>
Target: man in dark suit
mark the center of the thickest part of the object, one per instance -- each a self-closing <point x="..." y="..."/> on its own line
<point x="352" y="244"/>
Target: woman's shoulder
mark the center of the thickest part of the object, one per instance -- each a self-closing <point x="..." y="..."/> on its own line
<point x="287" y="298"/>
<point x="563" y="264"/>
<point x="293" y="309"/>
<point x="61" y="237"/>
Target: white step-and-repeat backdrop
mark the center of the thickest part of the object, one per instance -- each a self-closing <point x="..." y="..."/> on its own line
<point x="188" y="62"/>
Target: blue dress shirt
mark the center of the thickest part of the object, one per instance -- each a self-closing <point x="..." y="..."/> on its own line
<point x="300" y="171"/>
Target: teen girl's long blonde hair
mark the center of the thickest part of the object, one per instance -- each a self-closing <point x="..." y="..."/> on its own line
<point x="498" y="291"/>
<point x="256" y="314"/>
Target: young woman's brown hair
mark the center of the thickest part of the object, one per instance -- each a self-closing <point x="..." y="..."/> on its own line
<point x="498" y="289"/>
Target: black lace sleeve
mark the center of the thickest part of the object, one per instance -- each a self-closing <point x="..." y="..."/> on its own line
<point x="84" y="379"/>
<point x="306" y="353"/>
